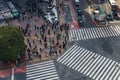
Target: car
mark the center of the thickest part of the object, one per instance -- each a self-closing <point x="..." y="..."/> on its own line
<point x="79" y="12"/>
<point x="109" y="17"/>
<point x="76" y="2"/>
<point x="81" y="22"/>
<point x="115" y="8"/>
<point x="115" y="16"/>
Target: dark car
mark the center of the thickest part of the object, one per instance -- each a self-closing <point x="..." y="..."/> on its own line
<point x="115" y="8"/>
<point x="109" y="17"/>
<point x="115" y="16"/>
<point x="79" y="12"/>
<point x="81" y="22"/>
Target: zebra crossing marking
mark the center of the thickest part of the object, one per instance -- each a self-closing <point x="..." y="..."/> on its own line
<point x="84" y="61"/>
<point x="100" y="75"/>
<point x="97" y="33"/>
<point x="86" y="68"/>
<point x="76" y="59"/>
<point x="68" y="57"/>
<point x="69" y="64"/>
<point x="90" y="64"/>
<point x="100" y="68"/>
<point x="42" y="71"/>
<point x="66" y="52"/>
<point x="111" y="31"/>
<point x="115" y="34"/>
<point x="103" y="32"/>
<point x="90" y="33"/>
<point x="71" y="58"/>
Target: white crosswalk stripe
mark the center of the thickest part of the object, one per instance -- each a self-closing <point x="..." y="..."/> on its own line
<point x="42" y="71"/>
<point x="90" y="64"/>
<point x="90" y="33"/>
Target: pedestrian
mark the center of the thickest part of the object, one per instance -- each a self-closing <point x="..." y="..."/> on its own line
<point x="23" y="18"/>
<point x="42" y="36"/>
<point x="64" y="45"/>
<point x="27" y="40"/>
<point x="35" y="27"/>
<point x="30" y="45"/>
<point x="52" y="41"/>
<point x="57" y="43"/>
<point x="36" y="35"/>
<point x="28" y="50"/>
<point x="45" y="39"/>
<point x="31" y="17"/>
<point x="27" y="25"/>
<point x="49" y="32"/>
<point x="29" y="56"/>
<point x="65" y="39"/>
<point x="39" y="56"/>
<point x="46" y="54"/>
<point x="19" y="28"/>
<point x="40" y="41"/>
<point x="56" y="52"/>
<point x="60" y="46"/>
<point x="29" y="34"/>
<point x="33" y="41"/>
<point x="60" y="28"/>
<point x="45" y="45"/>
<point x="59" y="51"/>
<point x="37" y="53"/>
<point x="67" y="27"/>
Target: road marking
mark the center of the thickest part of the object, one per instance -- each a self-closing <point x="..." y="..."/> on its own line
<point x="41" y="71"/>
<point x="12" y="77"/>
<point x="90" y="33"/>
<point x="73" y="57"/>
<point x="76" y="59"/>
<point x="90" y="64"/>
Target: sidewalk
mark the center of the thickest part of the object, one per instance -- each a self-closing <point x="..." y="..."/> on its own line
<point x="118" y="2"/>
<point x="8" y="72"/>
<point x="40" y="37"/>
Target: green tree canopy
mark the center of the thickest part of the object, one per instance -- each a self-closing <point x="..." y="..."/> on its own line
<point x="11" y="43"/>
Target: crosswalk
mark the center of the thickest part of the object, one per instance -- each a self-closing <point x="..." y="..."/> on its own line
<point x="90" y="33"/>
<point x="90" y="64"/>
<point x="42" y="71"/>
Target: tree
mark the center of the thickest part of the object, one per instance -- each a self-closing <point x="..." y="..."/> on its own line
<point x="12" y="44"/>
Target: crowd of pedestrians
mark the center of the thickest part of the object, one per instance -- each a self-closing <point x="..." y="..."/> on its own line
<point x="42" y="38"/>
